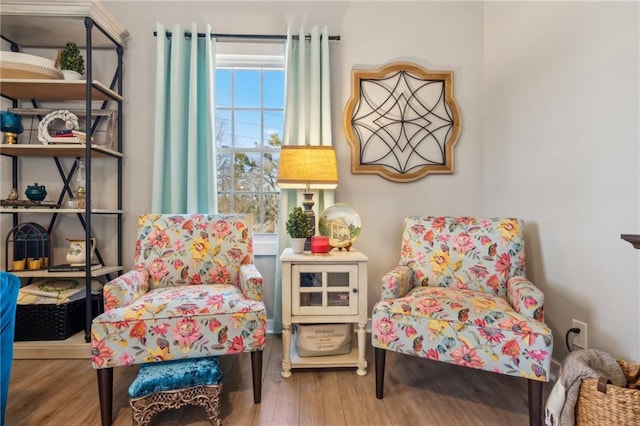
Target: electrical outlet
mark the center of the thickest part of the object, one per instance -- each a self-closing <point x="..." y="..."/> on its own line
<point x="580" y="339"/>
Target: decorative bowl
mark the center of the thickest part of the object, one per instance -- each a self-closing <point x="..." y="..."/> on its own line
<point x="24" y="66"/>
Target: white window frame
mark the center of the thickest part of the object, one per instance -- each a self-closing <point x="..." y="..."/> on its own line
<point x="253" y="55"/>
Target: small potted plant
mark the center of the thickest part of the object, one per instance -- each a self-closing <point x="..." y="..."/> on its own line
<point x="71" y="62"/>
<point x="299" y="229"/>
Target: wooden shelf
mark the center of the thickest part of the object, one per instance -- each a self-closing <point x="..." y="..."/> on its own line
<point x="634" y="239"/>
<point x="46" y="23"/>
<point x="43" y="273"/>
<point x="56" y="150"/>
<point x="349" y="359"/>
<point x="55" y="90"/>
<point x="56" y="210"/>
<point x="72" y="348"/>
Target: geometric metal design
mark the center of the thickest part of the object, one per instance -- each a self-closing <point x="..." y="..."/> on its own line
<point x="402" y="122"/>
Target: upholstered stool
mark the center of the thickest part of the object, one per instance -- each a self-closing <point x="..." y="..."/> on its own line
<point x="174" y="384"/>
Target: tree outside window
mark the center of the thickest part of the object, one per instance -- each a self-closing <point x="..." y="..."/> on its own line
<point x="249" y="126"/>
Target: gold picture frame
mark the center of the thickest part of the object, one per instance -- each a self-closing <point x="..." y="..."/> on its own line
<point x="402" y="121"/>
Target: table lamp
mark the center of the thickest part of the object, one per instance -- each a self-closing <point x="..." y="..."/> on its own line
<point x="307" y="167"/>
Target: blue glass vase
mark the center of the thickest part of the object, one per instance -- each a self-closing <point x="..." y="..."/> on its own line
<point x="11" y="125"/>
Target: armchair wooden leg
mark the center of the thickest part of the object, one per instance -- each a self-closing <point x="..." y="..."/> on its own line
<point x="380" y="355"/>
<point x="256" y="370"/>
<point x="535" y="402"/>
<point x="105" y="390"/>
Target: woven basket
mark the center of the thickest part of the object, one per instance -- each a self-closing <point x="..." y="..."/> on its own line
<point x="49" y="322"/>
<point x="600" y="403"/>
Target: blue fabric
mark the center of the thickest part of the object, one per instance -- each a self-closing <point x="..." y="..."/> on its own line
<point x="9" y="287"/>
<point x="173" y="375"/>
<point x="184" y="176"/>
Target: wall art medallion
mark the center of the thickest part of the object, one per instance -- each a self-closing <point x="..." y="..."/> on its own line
<point x="402" y="121"/>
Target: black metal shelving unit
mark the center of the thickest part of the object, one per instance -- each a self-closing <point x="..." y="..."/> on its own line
<point x="90" y="26"/>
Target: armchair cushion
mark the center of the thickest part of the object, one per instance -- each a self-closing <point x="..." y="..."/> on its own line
<point x="194" y="249"/>
<point x="464" y="327"/>
<point x="463" y="252"/>
<point x="179" y="322"/>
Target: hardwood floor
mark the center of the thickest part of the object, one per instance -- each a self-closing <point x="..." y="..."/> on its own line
<point x="417" y="392"/>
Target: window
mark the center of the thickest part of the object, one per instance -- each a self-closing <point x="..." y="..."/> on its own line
<point x="249" y="93"/>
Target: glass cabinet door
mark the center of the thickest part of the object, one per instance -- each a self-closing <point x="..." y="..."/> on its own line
<point x="324" y="289"/>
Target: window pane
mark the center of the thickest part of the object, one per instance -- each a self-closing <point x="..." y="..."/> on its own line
<point x="274" y="89"/>
<point x="247" y="172"/>
<point x="273" y="124"/>
<point x="247" y="88"/>
<point x="224" y="204"/>
<point x="247" y="128"/>
<point x="224" y="167"/>
<point x="223" y="128"/>
<point x="271" y="205"/>
<point x="223" y="88"/>
<point x="248" y="204"/>
<point x="270" y="171"/>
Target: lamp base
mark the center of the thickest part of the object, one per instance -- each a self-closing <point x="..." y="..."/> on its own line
<point x="308" y="203"/>
<point x="10" y="137"/>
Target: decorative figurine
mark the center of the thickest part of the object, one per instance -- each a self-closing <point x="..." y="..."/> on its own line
<point x="13" y="194"/>
<point x="36" y="192"/>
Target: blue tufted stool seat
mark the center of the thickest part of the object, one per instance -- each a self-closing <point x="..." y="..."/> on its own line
<point x="174" y="384"/>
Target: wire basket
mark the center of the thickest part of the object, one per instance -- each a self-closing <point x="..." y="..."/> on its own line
<point x="600" y="403"/>
<point x="49" y="321"/>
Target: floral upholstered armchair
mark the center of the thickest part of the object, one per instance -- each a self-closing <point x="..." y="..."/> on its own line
<point x="459" y="295"/>
<point x="194" y="292"/>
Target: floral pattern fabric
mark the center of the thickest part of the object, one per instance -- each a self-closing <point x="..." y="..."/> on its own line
<point x="459" y="296"/>
<point x="194" y="292"/>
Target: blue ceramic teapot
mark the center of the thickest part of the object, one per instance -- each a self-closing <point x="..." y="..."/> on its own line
<point x="36" y="192"/>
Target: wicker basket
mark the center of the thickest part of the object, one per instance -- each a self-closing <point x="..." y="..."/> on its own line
<point x="49" y="322"/>
<point x="600" y="403"/>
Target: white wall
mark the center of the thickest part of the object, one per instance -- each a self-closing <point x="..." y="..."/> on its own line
<point x="549" y="99"/>
<point x="435" y="35"/>
<point x="561" y="151"/>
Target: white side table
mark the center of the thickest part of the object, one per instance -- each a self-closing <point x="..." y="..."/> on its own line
<point x="338" y="295"/>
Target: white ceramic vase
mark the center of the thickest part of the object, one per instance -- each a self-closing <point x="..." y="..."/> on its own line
<point x="71" y="75"/>
<point x="297" y="244"/>
<point x="76" y="254"/>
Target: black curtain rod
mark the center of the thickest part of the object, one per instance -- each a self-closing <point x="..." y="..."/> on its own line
<point x="247" y="36"/>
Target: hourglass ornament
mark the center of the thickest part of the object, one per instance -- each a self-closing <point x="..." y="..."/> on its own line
<point x="11" y="125"/>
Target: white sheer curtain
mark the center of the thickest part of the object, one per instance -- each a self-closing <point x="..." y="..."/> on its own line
<point x="307" y="122"/>
<point x="184" y="175"/>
